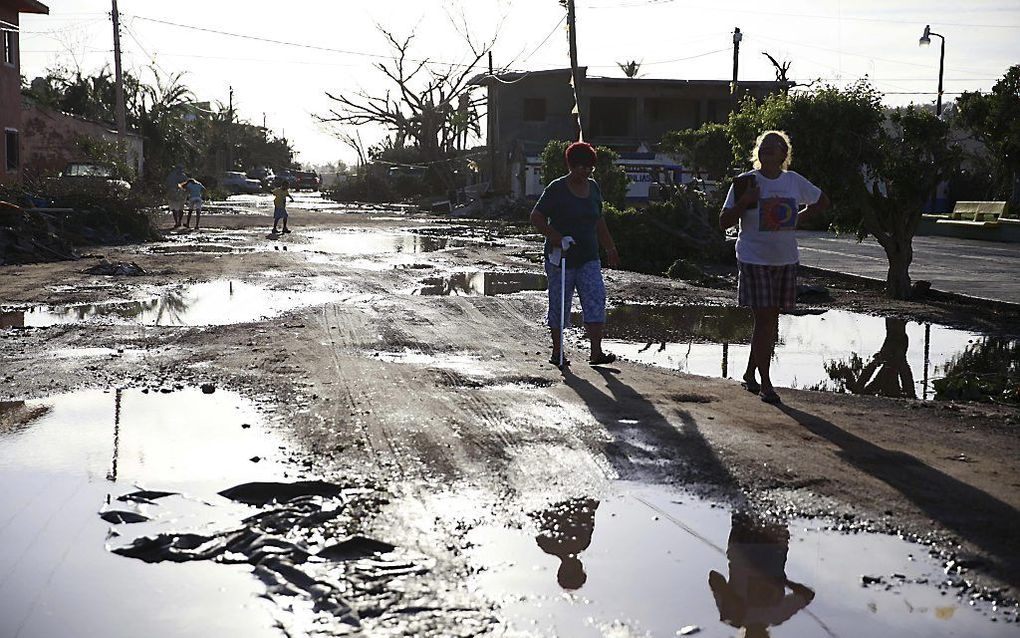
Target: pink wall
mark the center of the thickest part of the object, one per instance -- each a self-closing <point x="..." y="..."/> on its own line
<point x="49" y="139"/>
<point x="10" y="98"/>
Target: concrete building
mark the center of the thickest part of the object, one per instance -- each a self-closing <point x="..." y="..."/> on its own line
<point x="10" y="85"/>
<point x="51" y="139"/>
<point x="528" y="109"/>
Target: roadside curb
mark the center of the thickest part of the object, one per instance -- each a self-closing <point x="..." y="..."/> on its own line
<point x="932" y="294"/>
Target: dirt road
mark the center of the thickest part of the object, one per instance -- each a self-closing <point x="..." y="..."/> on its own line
<point x="446" y="401"/>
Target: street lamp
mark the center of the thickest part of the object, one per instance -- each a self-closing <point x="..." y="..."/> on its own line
<point x="925" y="41"/>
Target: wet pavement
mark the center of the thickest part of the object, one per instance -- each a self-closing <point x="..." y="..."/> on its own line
<point x="180" y="513"/>
<point x="833" y="350"/>
<point x="971" y="267"/>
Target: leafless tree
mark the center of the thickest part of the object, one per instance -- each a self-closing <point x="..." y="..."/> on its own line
<point x="782" y="68"/>
<point x="430" y="106"/>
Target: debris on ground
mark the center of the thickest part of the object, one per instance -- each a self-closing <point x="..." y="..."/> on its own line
<point x="29" y="237"/>
<point x="115" y="269"/>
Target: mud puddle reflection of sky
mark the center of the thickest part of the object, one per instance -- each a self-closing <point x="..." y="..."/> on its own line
<point x="217" y="302"/>
<point x="835" y="350"/>
<point x="483" y="283"/>
<point x="646" y="561"/>
<point x="65" y="459"/>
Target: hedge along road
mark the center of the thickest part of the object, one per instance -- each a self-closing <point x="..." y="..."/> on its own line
<point x="446" y="401"/>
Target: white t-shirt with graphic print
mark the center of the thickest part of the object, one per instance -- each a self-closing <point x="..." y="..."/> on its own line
<point x="766" y="234"/>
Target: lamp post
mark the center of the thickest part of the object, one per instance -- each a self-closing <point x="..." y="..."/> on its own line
<point x="925" y="41"/>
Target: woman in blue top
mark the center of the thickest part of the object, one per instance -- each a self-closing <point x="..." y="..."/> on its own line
<point x="569" y="214"/>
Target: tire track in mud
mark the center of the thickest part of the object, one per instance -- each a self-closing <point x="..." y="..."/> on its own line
<point x="345" y="392"/>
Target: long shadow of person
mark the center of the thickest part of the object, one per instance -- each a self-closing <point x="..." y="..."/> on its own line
<point x="755" y="597"/>
<point x="565" y="531"/>
<point x="647" y="444"/>
<point x="986" y="521"/>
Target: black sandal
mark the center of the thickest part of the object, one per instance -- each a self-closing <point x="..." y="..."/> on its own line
<point x="603" y="359"/>
<point x="770" y="396"/>
<point x="751" y="386"/>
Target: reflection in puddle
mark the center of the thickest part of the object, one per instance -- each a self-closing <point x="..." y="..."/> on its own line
<point x="835" y="350"/>
<point x="648" y="561"/>
<point x="366" y="243"/>
<point x="758" y="594"/>
<point x="62" y="458"/>
<point x="565" y="531"/>
<point x="483" y="283"/>
<point x="210" y="303"/>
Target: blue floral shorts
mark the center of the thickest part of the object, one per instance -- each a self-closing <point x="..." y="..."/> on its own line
<point x="587" y="280"/>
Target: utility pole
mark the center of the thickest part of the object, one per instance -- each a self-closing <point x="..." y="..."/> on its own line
<point x="120" y="109"/>
<point x="492" y="123"/>
<point x="574" y="71"/>
<point x="230" y="126"/>
<point x="737" y="37"/>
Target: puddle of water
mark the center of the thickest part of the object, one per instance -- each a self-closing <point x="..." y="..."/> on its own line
<point x="365" y="243"/>
<point x="67" y="457"/>
<point x="184" y="249"/>
<point x="483" y="283"/>
<point x="646" y="561"/>
<point x="210" y="303"/>
<point x="835" y="350"/>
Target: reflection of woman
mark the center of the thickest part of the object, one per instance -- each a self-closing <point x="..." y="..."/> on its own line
<point x="755" y="597"/>
<point x="566" y="532"/>
<point x="569" y="214"/>
<point x="765" y="203"/>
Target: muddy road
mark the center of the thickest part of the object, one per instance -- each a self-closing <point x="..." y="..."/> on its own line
<point x="353" y="430"/>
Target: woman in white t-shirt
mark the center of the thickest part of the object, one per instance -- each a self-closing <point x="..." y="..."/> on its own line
<point x="766" y="203"/>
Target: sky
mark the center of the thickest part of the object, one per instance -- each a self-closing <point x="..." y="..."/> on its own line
<point x="333" y="46"/>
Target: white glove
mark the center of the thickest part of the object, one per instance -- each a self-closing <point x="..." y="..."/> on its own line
<point x="567" y="242"/>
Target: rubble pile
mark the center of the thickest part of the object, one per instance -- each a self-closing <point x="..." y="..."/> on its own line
<point x="30" y="237"/>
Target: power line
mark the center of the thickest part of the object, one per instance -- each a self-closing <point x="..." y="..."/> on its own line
<point x="814" y="16"/>
<point x="859" y="55"/>
<point x="296" y="44"/>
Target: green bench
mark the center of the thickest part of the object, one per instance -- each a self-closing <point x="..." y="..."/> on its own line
<point x="974" y="214"/>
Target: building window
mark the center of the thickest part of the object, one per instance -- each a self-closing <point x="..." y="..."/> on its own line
<point x="673" y="112"/>
<point x="534" y="109"/>
<point x="12" y="157"/>
<point x="611" y="116"/>
<point x="10" y="48"/>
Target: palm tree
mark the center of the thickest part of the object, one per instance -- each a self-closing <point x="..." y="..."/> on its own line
<point x="169" y="137"/>
<point x="630" y="69"/>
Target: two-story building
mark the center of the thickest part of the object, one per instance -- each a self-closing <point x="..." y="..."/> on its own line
<point x="10" y="85"/>
<point x="528" y="109"/>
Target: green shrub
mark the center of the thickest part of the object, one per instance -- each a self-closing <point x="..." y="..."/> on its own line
<point x="652" y="239"/>
<point x="611" y="178"/>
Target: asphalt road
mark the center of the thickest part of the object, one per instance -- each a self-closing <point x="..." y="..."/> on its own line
<point x="989" y="270"/>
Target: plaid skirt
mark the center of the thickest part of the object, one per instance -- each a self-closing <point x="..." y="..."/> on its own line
<point x="767" y="286"/>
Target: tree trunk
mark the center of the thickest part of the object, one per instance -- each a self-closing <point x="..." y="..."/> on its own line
<point x="900" y="253"/>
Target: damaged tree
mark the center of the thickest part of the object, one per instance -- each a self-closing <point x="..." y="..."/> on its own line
<point x="878" y="170"/>
<point x="431" y="108"/>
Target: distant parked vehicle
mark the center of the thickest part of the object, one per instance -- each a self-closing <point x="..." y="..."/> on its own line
<point x="236" y="182"/>
<point x="264" y="175"/>
<point x="85" y="173"/>
<point x="307" y="179"/>
<point x="288" y="176"/>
